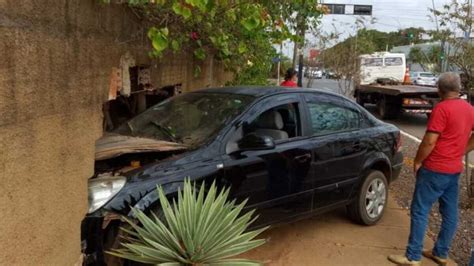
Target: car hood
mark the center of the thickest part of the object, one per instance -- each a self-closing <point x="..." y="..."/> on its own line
<point x="114" y="145"/>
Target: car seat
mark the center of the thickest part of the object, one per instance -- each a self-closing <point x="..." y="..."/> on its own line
<point x="271" y="124"/>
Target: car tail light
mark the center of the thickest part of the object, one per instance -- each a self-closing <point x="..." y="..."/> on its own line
<point x="398" y="144"/>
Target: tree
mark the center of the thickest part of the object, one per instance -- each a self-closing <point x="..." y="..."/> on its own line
<point x="343" y="58"/>
<point x="456" y="24"/>
<point x="239" y="33"/>
<point x="429" y="60"/>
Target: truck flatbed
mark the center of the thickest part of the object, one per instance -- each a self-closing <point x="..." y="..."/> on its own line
<point x="396" y="90"/>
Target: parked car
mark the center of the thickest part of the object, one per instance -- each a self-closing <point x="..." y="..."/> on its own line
<point x="424" y="78"/>
<point x="314" y="73"/>
<point x="331" y="75"/>
<point x="318" y="74"/>
<point x="291" y="153"/>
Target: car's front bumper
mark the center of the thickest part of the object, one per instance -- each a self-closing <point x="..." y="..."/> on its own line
<point x="92" y="244"/>
<point x="97" y="235"/>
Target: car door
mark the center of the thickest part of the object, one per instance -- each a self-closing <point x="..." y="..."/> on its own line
<point x="275" y="181"/>
<point x="338" y="146"/>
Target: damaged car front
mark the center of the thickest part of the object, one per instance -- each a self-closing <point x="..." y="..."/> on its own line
<point x="172" y="140"/>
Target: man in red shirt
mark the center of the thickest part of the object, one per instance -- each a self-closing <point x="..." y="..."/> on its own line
<point x="437" y="166"/>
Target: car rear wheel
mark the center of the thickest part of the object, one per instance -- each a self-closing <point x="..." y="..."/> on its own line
<point x="371" y="201"/>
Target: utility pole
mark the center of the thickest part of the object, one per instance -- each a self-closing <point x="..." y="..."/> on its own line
<point x="279" y="64"/>
<point x="441" y="60"/>
<point x="301" y="55"/>
<point x="299" y="47"/>
<point x="295" y="55"/>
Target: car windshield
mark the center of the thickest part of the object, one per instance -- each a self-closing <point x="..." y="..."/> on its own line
<point x="427" y="75"/>
<point x="191" y="119"/>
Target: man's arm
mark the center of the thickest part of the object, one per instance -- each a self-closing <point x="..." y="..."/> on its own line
<point x="426" y="147"/>
<point x="470" y="144"/>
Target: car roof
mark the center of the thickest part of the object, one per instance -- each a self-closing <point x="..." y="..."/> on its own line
<point x="262" y="91"/>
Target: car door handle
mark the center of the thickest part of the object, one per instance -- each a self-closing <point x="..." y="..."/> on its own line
<point x="303" y="158"/>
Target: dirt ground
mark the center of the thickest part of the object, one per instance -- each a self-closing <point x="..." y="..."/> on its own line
<point x="403" y="188"/>
<point x="332" y="239"/>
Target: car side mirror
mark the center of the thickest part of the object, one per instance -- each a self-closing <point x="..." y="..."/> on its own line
<point x="253" y="141"/>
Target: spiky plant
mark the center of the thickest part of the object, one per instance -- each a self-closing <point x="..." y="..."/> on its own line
<point x="199" y="229"/>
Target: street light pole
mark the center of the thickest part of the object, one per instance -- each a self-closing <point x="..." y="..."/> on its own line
<point x="301" y="28"/>
<point x="279" y="63"/>
<point x="441" y="61"/>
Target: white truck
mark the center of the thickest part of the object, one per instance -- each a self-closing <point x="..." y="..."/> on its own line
<point x="382" y="83"/>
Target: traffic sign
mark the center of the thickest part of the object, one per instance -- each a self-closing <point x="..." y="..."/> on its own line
<point x="349" y="9"/>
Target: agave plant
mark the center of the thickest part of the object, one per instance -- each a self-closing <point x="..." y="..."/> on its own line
<point x="199" y="229"/>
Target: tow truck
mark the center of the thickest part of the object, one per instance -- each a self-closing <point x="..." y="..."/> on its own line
<point x="383" y="82"/>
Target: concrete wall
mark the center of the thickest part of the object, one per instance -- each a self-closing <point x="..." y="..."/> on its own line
<point x="56" y="58"/>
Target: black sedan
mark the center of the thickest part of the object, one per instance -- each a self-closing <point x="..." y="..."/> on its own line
<point x="291" y="152"/>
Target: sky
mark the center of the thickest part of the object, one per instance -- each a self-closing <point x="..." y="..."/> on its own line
<point x="387" y="15"/>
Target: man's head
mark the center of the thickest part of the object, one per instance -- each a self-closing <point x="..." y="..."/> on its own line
<point x="449" y="83"/>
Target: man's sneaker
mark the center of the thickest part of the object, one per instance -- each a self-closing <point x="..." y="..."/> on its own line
<point x="429" y="254"/>
<point x="403" y="260"/>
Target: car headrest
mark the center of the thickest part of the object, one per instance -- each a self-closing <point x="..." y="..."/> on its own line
<point x="270" y="120"/>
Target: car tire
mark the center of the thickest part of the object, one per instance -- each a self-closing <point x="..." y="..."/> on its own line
<point x="361" y="211"/>
<point x="115" y="242"/>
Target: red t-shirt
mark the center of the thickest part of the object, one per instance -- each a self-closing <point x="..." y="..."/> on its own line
<point x="289" y="83"/>
<point x="453" y="120"/>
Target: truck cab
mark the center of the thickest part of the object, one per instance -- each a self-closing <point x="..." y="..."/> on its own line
<point x="382" y="65"/>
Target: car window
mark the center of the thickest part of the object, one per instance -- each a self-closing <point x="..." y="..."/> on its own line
<point x="393" y="61"/>
<point x="372" y="61"/>
<point x="281" y="122"/>
<point x="427" y="75"/>
<point x="191" y="119"/>
<point x="328" y="118"/>
<point x="288" y="126"/>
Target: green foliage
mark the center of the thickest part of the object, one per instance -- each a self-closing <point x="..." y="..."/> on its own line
<point x="234" y="32"/>
<point x="429" y="59"/>
<point x="343" y="57"/>
<point x="380" y="41"/>
<point x="458" y="53"/>
<point x="201" y="228"/>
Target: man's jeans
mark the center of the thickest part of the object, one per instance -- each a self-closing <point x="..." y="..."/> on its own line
<point x="471" y="263"/>
<point x="430" y="187"/>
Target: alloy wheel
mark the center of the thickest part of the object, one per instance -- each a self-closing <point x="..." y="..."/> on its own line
<point x="375" y="198"/>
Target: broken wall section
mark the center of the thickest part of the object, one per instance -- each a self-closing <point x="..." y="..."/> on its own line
<point x="57" y="57"/>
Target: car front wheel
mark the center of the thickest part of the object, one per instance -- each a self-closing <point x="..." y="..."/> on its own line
<point x="371" y="201"/>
